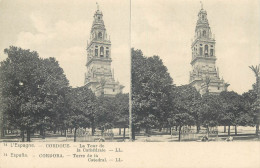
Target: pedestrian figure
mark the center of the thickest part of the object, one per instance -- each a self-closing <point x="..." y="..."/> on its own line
<point x="204" y="138"/>
<point x="230" y="138"/>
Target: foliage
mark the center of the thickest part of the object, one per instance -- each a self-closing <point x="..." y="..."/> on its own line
<point x="234" y="109"/>
<point x="152" y="89"/>
<point x="82" y="104"/>
<point x="122" y="110"/>
<point x="251" y="105"/>
<point x="185" y="106"/>
<point x="211" y="108"/>
<point x="29" y="88"/>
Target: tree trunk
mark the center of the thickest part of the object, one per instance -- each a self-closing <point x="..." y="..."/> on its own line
<point x="65" y="132"/>
<point x="61" y="132"/>
<point x="133" y="131"/>
<point x="225" y="129"/>
<point x="55" y="130"/>
<point x="119" y="131"/>
<point x="2" y="132"/>
<point x="160" y="129"/>
<point x="28" y="135"/>
<point x="22" y="135"/>
<point x="179" y="133"/>
<point x="147" y="131"/>
<point x="43" y="134"/>
<point x="123" y="133"/>
<point x="207" y="131"/>
<point x="257" y="129"/>
<point x="41" y="131"/>
<point x="229" y="130"/>
<point x="176" y="128"/>
<point x="93" y="130"/>
<point x="75" y="131"/>
<point x="198" y="129"/>
<point x="235" y="130"/>
<point x="170" y="130"/>
<point x="138" y="130"/>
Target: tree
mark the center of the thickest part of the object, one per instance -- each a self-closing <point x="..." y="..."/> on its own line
<point x="256" y="71"/>
<point x="52" y="86"/>
<point x="233" y="109"/>
<point x="106" y="116"/>
<point x="211" y="108"/>
<point x="151" y="91"/>
<point x="180" y="119"/>
<point x="82" y="104"/>
<point x="185" y="110"/>
<point x="1" y="118"/>
<point x="122" y="111"/>
<point x="19" y="88"/>
<point x="29" y="87"/>
<point x="252" y="107"/>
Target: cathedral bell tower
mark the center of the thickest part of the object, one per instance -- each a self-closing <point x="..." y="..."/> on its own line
<point x="204" y="75"/>
<point x="99" y="77"/>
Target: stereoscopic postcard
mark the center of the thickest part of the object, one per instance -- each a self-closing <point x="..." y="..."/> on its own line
<point x="130" y="83"/>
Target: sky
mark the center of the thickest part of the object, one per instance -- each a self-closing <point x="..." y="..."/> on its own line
<point x="165" y="28"/>
<point x="61" y="29"/>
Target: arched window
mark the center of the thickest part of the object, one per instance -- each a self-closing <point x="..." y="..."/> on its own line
<point x="101" y="51"/>
<point x="100" y="35"/>
<point x="211" y="52"/>
<point x="204" y="33"/>
<point x="107" y="53"/>
<point x="96" y="52"/>
<point x="206" y="50"/>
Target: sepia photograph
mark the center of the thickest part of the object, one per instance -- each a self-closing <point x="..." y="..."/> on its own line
<point x="195" y="71"/>
<point x="65" y="70"/>
<point x="129" y="83"/>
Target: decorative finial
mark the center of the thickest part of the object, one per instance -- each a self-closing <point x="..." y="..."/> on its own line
<point x="201" y="5"/>
<point x="97" y="6"/>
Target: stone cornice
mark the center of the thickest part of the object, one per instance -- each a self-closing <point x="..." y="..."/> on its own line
<point x="96" y="41"/>
<point x="201" y="39"/>
<point x="99" y="59"/>
<point x="202" y="58"/>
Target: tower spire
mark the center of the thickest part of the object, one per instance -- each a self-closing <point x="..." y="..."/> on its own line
<point x="203" y="58"/>
<point x="97" y="6"/>
<point x="99" y="60"/>
<point x="201" y="4"/>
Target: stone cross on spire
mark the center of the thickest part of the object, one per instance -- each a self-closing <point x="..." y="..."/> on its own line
<point x="201" y="5"/>
<point x="97" y="6"/>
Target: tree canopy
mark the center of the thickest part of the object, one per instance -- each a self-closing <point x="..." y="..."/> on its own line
<point x="152" y="89"/>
